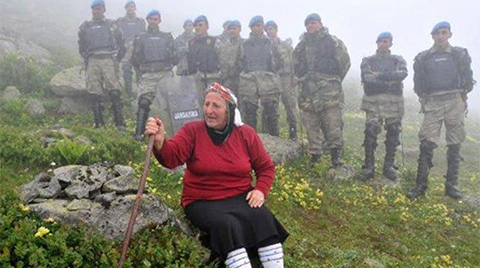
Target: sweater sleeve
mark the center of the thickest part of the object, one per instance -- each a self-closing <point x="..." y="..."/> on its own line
<point x="177" y="150"/>
<point x="261" y="162"/>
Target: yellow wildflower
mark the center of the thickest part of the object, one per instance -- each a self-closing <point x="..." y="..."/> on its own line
<point x="24" y="208"/>
<point x="42" y="231"/>
<point x="50" y="219"/>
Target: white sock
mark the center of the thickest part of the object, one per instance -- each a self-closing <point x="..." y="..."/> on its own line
<point x="271" y="256"/>
<point x="238" y="259"/>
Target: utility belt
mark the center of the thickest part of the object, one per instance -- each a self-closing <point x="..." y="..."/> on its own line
<point x="444" y="96"/>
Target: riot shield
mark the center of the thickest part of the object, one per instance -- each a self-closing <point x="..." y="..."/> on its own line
<point x="181" y="97"/>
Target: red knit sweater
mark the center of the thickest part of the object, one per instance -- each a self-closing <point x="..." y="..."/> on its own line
<point x="217" y="171"/>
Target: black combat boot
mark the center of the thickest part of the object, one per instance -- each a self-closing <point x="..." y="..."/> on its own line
<point x="370" y="144"/>
<point x="293" y="132"/>
<point x="315" y="158"/>
<point x="270" y="116"/>
<point x="142" y="116"/>
<point x="249" y="115"/>
<point x="127" y="78"/>
<point x="97" y="109"/>
<point x="453" y="159"/>
<point x="117" y="109"/>
<point x="336" y="156"/>
<point x="424" y="165"/>
<point x="391" y="143"/>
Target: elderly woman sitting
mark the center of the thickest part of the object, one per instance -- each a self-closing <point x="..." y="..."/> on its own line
<point x="218" y="198"/>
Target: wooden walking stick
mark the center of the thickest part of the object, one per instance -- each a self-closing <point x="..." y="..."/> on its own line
<point x="141" y="187"/>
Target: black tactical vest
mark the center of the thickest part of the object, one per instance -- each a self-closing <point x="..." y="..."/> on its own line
<point x="99" y="36"/>
<point x="441" y="72"/>
<point x="131" y="28"/>
<point x="202" y="56"/>
<point x="156" y="47"/>
<point x="320" y="51"/>
<point x="385" y="63"/>
<point x="258" y="55"/>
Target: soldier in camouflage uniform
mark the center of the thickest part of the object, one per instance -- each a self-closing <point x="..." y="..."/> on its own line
<point x="320" y="63"/>
<point x="286" y="77"/>
<point x="382" y="76"/>
<point x="102" y="47"/>
<point x="154" y="55"/>
<point x="443" y="78"/>
<point x="260" y="60"/>
<point x="181" y="45"/>
<point x="131" y="26"/>
<point x="202" y="56"/>
<point x="224" y="36"/>
<point x="229" y="57"/>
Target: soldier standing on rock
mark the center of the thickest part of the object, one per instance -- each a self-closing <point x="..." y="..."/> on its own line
<point x="382" y="76"/>
<point x="181" y="45"/>
<point x="443" y="78"/>
<point x="320" y="63"/>
<point x="155" y="56"/>
<point x="286" y="77"/>
<point x="102" y="47"/>
<point x="260" y="60"/>
<point x="131" y="26"/>
<point x="229" y="56"/>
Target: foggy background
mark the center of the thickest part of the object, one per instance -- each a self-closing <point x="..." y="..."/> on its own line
<point x="357" y="23"/>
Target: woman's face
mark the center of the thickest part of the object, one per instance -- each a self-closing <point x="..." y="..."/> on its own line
<point x="215" y="109"/>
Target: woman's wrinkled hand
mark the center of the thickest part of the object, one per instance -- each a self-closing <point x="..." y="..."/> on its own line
<point x="155" y="127"/>
<point x="255" y="198"/>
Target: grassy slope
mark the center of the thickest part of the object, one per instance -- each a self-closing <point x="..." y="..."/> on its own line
<point x="332" y="224"/>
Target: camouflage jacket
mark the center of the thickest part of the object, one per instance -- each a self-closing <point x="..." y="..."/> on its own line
<point x="383" y="73"/>
<point x="181" y="45"/>
<point x="229" y="56"/>
<point x="285" y="50"/>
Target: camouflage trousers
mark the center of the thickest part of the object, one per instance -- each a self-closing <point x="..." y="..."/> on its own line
<point x="150" y="82"/>
<point x="448" y="109"/>
<point x="232" y="82"/>
<point x="102" y="75"/>
<point x="289" y="98"/>
<point x="327" y="123"/>
<point x="126" y="65"/>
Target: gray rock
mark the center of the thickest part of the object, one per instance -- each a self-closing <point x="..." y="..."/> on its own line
<point x="66" y="173"/>
<point x="122" y="185"/>
<point x="106" y="199"/>
<point x="79" y="204"/>
<point x="69" y="83"/>
<point x="123" y="170"/>
<point x="10" y="93"/>
<point x="12" y="42"/>
<point x="280" y="150"/>
<point x="83" y="139"/>
<point x="43" y="186"/>
<point x="86" y="182"/>
<point x="75" y="105"/>
<point x="473" y="200"/>
<point x="372" y="263"/>
<point x="35" y="107"/>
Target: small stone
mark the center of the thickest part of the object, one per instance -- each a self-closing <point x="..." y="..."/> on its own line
<point x="79" y="204"/>
<point x="372" y="263"/>
<point x="10" y="93"/>
<point x="35" y="107"/>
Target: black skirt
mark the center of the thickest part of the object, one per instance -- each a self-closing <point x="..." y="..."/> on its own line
<point x="231" y="223"/>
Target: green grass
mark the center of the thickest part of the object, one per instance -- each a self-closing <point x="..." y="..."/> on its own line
<point x="331" y="224"/>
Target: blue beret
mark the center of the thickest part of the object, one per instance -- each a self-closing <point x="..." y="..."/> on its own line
<point x="255" y="20"/>
<point x="96" y="3"/>
<point x="187" y="22"/>
<point x="152" y="13"/>
<point x="313" y="16"/>
<point x="234" y="23"/>
<point x="199" y="19"/>
<point x="129" y="2"/>
<point x="226" y="23"/>
<point x="271" y="23"/>
<point x="384" y="35"/>
<point x="440" y="25"/>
